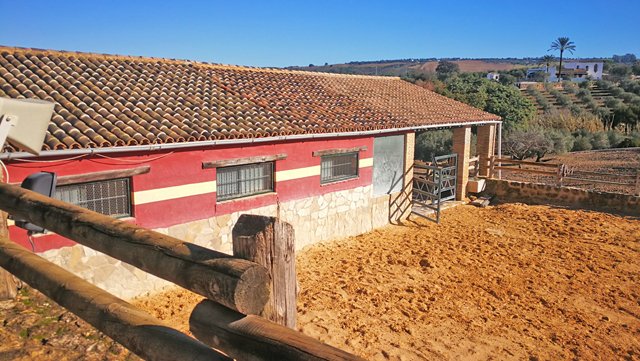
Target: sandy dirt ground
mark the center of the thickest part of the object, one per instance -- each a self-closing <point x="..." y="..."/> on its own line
<point x="505" y="282"/>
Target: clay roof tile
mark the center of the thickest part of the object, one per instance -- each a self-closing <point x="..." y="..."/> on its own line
<point x="111" y="100"/>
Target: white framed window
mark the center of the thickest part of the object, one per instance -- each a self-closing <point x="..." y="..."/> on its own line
<point x="111" y="197"/>
<point x="338" y="167"/>
<point x="244" y="180"/>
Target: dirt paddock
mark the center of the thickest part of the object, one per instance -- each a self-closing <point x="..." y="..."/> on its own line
<point x="505" y="282"/>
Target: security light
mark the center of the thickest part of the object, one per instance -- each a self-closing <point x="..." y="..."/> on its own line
<point x="24" y="123"/>
<point x="43" y="183"/>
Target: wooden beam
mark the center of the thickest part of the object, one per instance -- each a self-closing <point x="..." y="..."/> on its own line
<point x="320" y="153"/>
<point x="133" y="328"/>
<point x="242" y="161"/>
<point x="8" y="284"/>
<point x="270" y="242"/>
<point x="99" y="176"/>
<point x="235" y="283"/>
<point x="253" y="338"/>
<point x="525" y="170"/>
<point x="525" y="162"/>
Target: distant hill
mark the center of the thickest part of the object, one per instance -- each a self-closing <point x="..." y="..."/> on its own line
<point x="400" y="67"/>
<point x="404" y="66"/>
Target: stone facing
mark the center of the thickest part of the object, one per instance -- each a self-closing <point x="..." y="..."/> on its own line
<point x="319" y="218"/>
<point x="537" y="193"/>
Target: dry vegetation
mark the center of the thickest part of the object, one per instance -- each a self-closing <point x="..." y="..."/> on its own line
<point x="614" y="161"/>
<point x="506" y="282"/>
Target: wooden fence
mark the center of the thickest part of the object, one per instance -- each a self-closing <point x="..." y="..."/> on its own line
<point x="237" y="290"/>
<point x="562" y="173"/>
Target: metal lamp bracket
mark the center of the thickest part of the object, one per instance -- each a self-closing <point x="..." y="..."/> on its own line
<point x="6" y="122"/>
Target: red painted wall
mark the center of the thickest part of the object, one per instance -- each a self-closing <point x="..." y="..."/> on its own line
<point x="178" y="167"/>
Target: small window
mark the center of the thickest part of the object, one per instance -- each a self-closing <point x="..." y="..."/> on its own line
<point x="244" y="180"/>
<point x="595" y="68"/>
<point x="111" y="197"/>
<point x="337" y="167"/>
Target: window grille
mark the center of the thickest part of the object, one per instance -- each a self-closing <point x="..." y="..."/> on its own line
<point x="337" y="167"/>
<point x="244" y="180"/>
<point x="111" y="197"/>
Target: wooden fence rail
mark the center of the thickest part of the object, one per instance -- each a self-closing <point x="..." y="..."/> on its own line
<point x="133" y="328"/>
<point x="563" y="173"/>
<point x="237" y="288"/>
<point x="252" y="338"/>
<point x="236" y="283"/>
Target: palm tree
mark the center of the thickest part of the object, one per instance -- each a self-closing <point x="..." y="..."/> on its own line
<point x="562" y="44"/>
<point x="547" y="59"/>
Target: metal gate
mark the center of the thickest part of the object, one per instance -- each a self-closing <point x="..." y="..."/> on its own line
<point x="433" y="184"/>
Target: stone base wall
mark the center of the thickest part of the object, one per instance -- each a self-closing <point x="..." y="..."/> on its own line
<point x="329" y="216"/>
<point x="535" y="193"/>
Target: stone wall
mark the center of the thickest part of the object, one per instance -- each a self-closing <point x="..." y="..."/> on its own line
<point x="535" y="193"/>
<point x="329" y="216"/>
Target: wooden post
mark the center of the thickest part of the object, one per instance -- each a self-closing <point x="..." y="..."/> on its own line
<point x="8" y="284"/>
<point x="253" y="338"/>
<point x="235" y="283"/>
<point x="492" y="165"/>
<point x="133" y="328"/>
<point x="271" y="243"/>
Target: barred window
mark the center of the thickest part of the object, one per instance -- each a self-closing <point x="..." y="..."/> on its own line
<point x="337" y="167"/>
<point x="244" y="180"/>
<point x="111" y="197"/>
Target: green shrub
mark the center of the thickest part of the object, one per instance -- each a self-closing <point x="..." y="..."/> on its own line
<point x="576" y="110"/>
<point x="600" y="140"/>
<point x="616" y="91"/>
<point x="433" y="143"/>
<point x="582" y="142"/>
<point x="586" y="84"/>
<point x="615" y="138"/>
<point x="562" y="141"/>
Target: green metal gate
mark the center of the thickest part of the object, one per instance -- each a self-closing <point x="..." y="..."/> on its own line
<point x="434" y="183"/>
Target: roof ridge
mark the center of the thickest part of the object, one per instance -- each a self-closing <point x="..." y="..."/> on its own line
<point x="191" y="62"/>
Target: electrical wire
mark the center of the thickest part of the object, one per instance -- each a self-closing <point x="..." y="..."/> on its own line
<point x="25" y="160"/>
<point x="31" y="241"/>
<point x="6" y="171"/>
<point x="134" y="161"/>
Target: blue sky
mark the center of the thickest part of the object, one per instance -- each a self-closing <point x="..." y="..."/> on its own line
<point x="282" y="33"/>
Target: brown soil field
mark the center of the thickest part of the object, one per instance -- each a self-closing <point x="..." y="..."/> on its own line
<point x="471" y="66"/>
<point x="614" y="161"/>
<point x="505" y="282"/>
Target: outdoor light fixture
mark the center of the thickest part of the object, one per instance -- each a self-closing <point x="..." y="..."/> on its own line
<point x="43" y="183"/>
<point x="24" y="123"/>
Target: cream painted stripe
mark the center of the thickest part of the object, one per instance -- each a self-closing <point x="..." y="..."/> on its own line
<point x="285" y="175"/>
<point x="366" y="162"/>
<point x="194" y="189"/>
<point x="181" y="191"/>
<point x="291" y="174"/>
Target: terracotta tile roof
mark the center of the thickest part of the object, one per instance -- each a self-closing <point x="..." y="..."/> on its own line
<point x="111" y="101"/>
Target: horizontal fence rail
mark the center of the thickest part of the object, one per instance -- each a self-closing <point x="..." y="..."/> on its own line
<point x="136" y="330"/>
<point x="563" y="173"/>
<point x="253" y="338"/>
<point x="236" y="283"/>
<point x="237" y="288"/>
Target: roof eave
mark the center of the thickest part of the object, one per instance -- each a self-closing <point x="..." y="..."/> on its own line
<point x="209" y="143"/>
